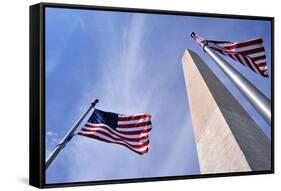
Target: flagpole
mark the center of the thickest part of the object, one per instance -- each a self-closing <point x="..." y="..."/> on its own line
<point x="260" y="102"/>
<point x="68" y="136"/>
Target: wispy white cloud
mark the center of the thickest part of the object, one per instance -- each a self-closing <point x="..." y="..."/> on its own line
<point x="122" y="69"/>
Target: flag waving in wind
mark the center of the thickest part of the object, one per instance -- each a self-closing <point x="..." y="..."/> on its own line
<point x="131" y="131"/>
<point x="249" y="53"/>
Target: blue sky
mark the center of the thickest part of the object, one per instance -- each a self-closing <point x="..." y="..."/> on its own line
<point x="132" y="63"/>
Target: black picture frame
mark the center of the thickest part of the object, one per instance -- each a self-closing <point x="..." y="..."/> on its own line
<point x="37" y="93"/>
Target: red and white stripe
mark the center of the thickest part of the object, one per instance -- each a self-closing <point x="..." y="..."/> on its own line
<point x="249" y="53"/>
<point x="131" y="132"/>
<point x="200" y="40"/>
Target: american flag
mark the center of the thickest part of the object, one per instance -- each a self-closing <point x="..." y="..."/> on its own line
<point x="131" y="131"/>
<point x="249" y="53"/>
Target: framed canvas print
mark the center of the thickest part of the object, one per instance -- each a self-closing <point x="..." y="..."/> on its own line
<point x="129" y="95"/>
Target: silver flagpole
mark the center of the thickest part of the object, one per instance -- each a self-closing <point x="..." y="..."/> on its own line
<point x="261" y="103"/>
<point x="68" y="136"/>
